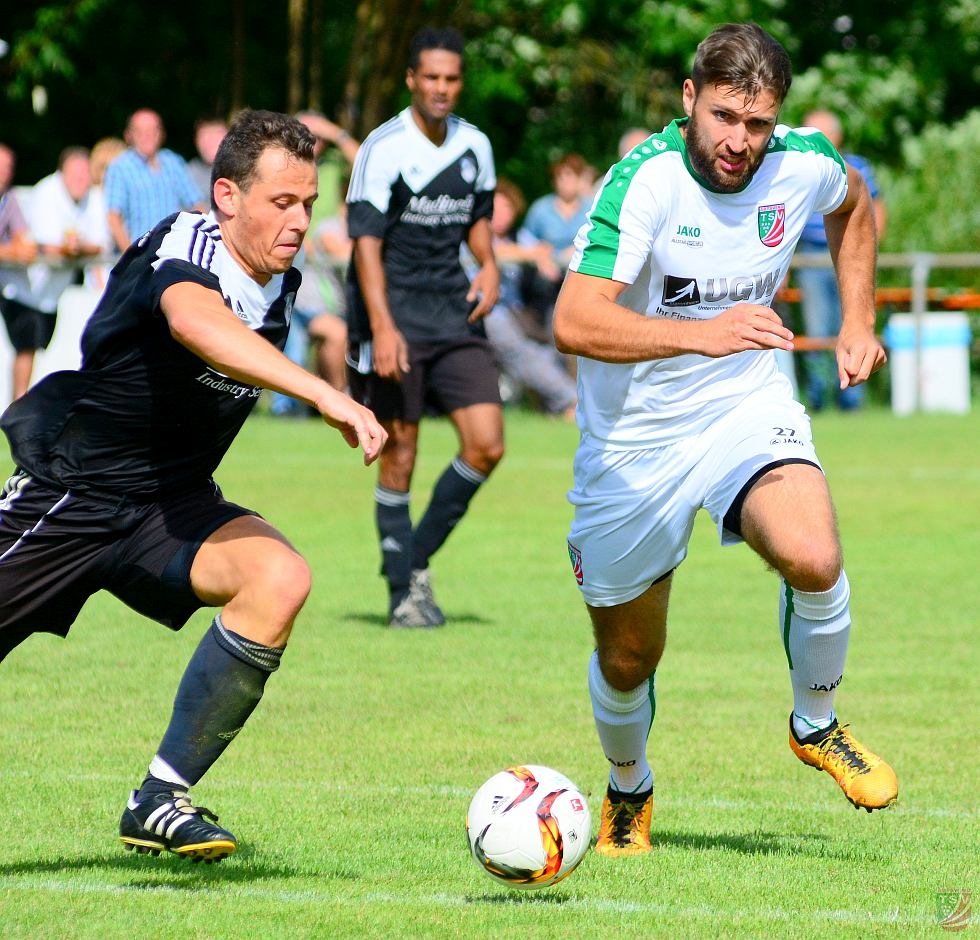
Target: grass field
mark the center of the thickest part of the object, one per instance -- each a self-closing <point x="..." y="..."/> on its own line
<point x="349" y="786"/>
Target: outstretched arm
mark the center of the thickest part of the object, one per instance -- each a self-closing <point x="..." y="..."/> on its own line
<point x="589" y="322"/>
<point x="200" y="321"/>
<point x="854" y="248"/>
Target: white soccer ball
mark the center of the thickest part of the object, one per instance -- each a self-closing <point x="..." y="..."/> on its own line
<point x="528" y="826"/>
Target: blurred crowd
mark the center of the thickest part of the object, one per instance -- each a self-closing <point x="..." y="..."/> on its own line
<point x="68" y="228"/>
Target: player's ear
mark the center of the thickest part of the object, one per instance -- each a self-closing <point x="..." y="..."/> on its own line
<point x="226" y="196"/>
<point x="410" y="79"/>
<point x="689" y="96"/>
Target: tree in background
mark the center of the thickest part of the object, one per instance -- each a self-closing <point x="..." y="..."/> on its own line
<point x="543" y="76"/>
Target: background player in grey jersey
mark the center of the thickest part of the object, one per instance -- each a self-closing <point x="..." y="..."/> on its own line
<point x="421" y="184"/>
<point x="113" y="488"/>
<point x="682" y="406"/>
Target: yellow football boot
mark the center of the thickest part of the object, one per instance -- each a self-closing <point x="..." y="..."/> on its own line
<point x="867" y="781"/>
<point x="624" y="827"/>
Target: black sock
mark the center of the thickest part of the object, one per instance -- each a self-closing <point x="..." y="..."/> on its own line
<point x="221" y="686"/>
<point x="450" y="498"/>
<point x="395" y="533"/>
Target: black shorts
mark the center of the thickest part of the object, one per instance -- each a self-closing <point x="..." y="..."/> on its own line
<point x="28" y="329"/>
<point x="58" y="548"/>
<point x="443" y="377"/>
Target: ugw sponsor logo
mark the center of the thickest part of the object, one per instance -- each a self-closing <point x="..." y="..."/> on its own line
<point x="689" y="291"/>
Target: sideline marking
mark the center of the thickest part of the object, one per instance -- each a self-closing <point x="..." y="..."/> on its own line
<point x="600" y="905"/>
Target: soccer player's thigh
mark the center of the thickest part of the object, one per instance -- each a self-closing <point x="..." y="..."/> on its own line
<point x="53" y="548"/>
<point x="768" y="488"/>
<point x="788" y="519"/>
<point x="465" y="383"/>
<point x="634" y="515"/>
<point x="398" y="406"/>
<point x="198" y="550"/>
<point x="251" y="571"/>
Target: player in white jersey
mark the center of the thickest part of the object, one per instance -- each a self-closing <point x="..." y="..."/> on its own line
<point x="113" y="489"/>
<point x="668" y="305"/>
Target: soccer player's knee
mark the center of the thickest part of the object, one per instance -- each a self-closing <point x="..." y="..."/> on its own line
<point x="817" y="572"/>
<point x="288" y="579"/>
<point x="493" y="454"/>
<point x="625" y="669"/>
<point x="484" y="456"/>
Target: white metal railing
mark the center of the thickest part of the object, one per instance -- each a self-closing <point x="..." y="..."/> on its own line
<point x="920" y="265"/>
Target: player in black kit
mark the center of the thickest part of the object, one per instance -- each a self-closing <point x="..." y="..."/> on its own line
<point x="423" y="183"/>
<point x="113" y="485"/>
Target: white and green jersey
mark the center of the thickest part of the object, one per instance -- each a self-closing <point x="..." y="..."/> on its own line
<point x="688" y="252"/>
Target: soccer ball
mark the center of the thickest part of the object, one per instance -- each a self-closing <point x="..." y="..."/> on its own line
<point x="528" y="826"/>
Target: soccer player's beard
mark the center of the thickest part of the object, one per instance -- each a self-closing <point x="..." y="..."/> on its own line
<point x="701" y="153"/>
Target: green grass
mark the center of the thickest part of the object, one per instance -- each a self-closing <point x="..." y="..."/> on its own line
<point x="349" y="786"/>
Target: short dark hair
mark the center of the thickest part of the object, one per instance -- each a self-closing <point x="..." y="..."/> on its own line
<point x="431" y="37"/>
<point x="744" y="57"/>
<point x="70" y="152"/>
<point x="253" y="132"/>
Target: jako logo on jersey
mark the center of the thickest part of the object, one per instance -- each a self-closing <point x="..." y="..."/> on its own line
<point x="785" y="436"/>
<point x="288" y="312"/>
<point x="467" y="169"/>
<point x="680" y="291"/>
<point x="575" y="556"/>
<point x="772" y="224"/>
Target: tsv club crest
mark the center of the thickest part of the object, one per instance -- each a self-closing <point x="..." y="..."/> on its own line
<point x="772" y="224"/>
<point x="575" y="556"/>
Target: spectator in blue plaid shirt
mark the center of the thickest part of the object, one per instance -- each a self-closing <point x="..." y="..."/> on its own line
<point x="147" y="182"/>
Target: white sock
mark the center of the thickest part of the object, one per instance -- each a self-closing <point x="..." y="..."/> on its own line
<point x="815" y="628"/>
<point x="160" y="769"/>
<point x="623" y="720"/>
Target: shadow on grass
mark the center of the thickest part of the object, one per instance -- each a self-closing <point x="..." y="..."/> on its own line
<point x="514" y="896"/>
<point x="758" y="843"/>
<point x="374" y="619"/>
<point x="169" y="872"/>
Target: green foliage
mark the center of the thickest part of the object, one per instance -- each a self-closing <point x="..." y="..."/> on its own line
<point x="930" y="199"/>
<point x="49" y="47"/>
<point x="349" y="785"/>
<point x="544" y="77"/>
<point x="878" y="100"/>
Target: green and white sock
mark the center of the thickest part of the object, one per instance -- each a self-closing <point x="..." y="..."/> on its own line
<point x="815" y="629"/>
<point x="623" y="720"/>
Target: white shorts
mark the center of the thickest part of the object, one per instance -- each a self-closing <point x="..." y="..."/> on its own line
<point x="635" y="509"/>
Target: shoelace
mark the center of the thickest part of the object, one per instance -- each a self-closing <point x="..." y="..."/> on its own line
<point x="621" y="816"/>
<point x="183" y="807"/>
<point x="839" y="746"/>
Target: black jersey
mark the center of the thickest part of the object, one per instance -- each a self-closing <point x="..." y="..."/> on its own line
<point x="421" y="200"/>
<point x="144" y="416"/>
